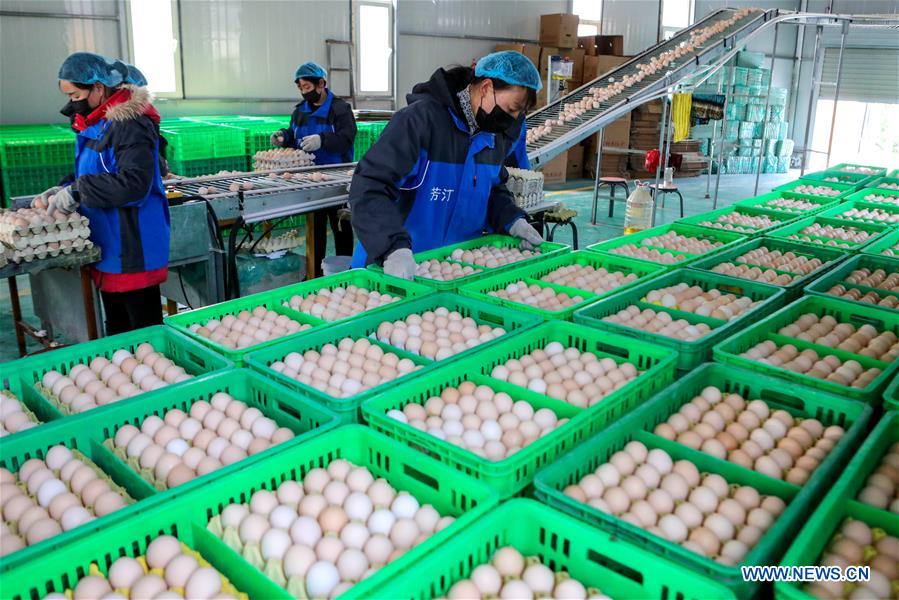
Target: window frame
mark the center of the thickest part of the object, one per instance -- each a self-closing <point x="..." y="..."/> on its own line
<point x="178" y="94"/>
<point x="667" y="31"/>
<point x="592" y="22"/>
<point x="361" y="93"/>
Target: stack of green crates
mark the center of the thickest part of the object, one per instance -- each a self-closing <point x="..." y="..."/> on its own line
<point x="203" y="148"/>
<point x="367" y="132"/>
<point x="34" y="158"/>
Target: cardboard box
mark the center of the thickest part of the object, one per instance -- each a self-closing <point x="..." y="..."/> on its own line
<point x="610" y="45"/>
<point x="575" y="166"/>
<point x="532" y="51"/>
<point x="556" y="170"/>
<point x="588" y="43"/>
<point x="594" y="66"/>
<point x="559" y="30"/>
<point x="577" y="57"/>
<point x="545" y="53"/>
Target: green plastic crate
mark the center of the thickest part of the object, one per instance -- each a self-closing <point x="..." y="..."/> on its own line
<point x="762" y="201"/>
<point x="533" y="274"/>
<point x="194" y="358"/>
<point x="689" y="354"/>
<point x="515" y="473"/>
<point x="796" y="227"/>
<point x="29" y="181"/>
<point x="891" y="396"/>
<point x="780" y="218"/>
<point x="893" y="179"/>
<point x="846" y="168"/>
<point x="56" y="147"/>
<point x="830" y="256"/>
<point x="884" y="244"/>
<point x="839" y="504"/>
<point x="592" y="556"/>
<point x="856" y="180"/>
<point x="838" y="212"/>
<point x="193" y="140"/>
<point x="10" y="381"/>
<point x="877" y="193"/>
<point x="843" y="188"/>
<point x="843" y="311"/>
<point x="727" y="238"/>
<point x="208" y="166"/>
<point x="820" y="286"/>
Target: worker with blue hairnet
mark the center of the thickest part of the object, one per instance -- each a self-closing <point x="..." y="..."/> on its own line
<point x="324" y="125"/>
<point x="436" y="176"/>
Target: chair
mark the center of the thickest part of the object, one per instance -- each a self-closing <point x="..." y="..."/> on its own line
<point x="664" y="190"/>
<point x="561" y="216"/>
<point x="614" y="183"/>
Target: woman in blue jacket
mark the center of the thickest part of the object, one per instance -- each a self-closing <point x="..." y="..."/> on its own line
<point x="436" y="176"/>
<point x="324" y="125"/>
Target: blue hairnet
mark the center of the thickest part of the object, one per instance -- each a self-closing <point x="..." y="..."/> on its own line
<point x="87" y="68"/>
<point x="512" y="67"/>
<point x="310" y="70"/>
<point x="135" y="77"/>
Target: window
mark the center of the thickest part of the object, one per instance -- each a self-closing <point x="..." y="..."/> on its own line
<point x="676" y="15"/>
<point x="866" y="133"/>
<point x="590" y="13"/>
<point x="375" y="48"/>
<point x="154" y="45"/>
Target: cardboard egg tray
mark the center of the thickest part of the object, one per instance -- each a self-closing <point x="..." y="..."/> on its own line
<point x="52" y="249"/>
<point x="286" y="241"/>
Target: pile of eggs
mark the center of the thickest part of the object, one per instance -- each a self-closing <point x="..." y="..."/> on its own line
<point x="650" y="254"/>
<point x="13" y="416"/>
<point x="598" y="280"/>
<point x="579" y="378"/>
<point x="858" y="544"/>
<point x="488" y="423"/>
<point x="764" y="264"/>
<point x="544" y="298"/>
<point x="339" y="303"/>
<point x="440" y="270"/>
<point x="892" y="251"/>
<point x="248" y="328"/>
<point x="808" y="362"/>
<point x="736" y="221"/>
<point x="647" y="248"/>
<point x="319" y="537"/>
<point x="791" y="204"/>
<point x="47" y="497"/>
<point x="511" y="575"/>
<point x="750" y="434"/>
<point x="167" y="570"/>
<point x="179" y="447"/>
<point x="694" y="299"/>
<point x="878" y="278"/>
<point x="882" y="486"/>
<point x="349" y="368"/>
<point x="281" y="158"/>
<point x="827" y="331"/>
<point x="436" y="334"/>
<point x="816" y="190"/>
<point x="492" y="256"/>
<point x="34" y="233"/>
<point x="673" y="500"/>
<point x="882" y="199"/>
<point x="870" y="215"/>
<point x="841" y="236"/>
<point x="105" y="381"/>
<point x="862" y="170"/>
<point x="888" y="186"/>
<point x="658" y="322"/>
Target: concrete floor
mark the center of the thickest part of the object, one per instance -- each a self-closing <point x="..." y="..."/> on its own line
<point x="576" y="195"/>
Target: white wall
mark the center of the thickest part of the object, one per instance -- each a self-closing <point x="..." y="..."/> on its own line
<point x="636" y="20"/>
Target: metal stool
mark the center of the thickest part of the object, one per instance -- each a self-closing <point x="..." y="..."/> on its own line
<point x="664" y="190"/>
<point x="614" y="183"/>
<point x="561" y="216"/>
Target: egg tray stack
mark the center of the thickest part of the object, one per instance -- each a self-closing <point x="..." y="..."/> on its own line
<point x="723" y="239"/>
<point x="890" y="266"/>
<point x="752" y="220"/>
<point x="36" y="239"/>
<point x="830" y="257"/>
<point x="781" y="202"/>
<point x="843" y="189"/>
<point x="597" y="559"/>
<point x="270" y="244"/>
<point x="689" y="354"/>
<point x="843" y="311"/>
<point x="885" y="245"/>
<point x="514" y="473"/>
<point x="526" y="187"/>
<point x="856" y="180"/>
<point x="638" y="426"/>
<point x="281" y="158"/>
<point x="841" y="503"/>
<point x="794" y="231"/>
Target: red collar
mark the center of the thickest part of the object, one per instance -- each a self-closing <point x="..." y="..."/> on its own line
<point x="120" y="97"/>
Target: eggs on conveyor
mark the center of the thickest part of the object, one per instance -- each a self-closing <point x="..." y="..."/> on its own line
<point x="103" y="381"/>
<point x="490" y="424"/>
<point x="509" y="574"/>
<point x="736" y="221"/>
<point x="816" y="190"/>
<point x="320" y="536"/>
<point x="339" y="303"/>
<point x="840" y="236"/>
<point x="672" y="499"/>
<point x="440" y="270"/>
<point x="168" y="569"/>
<point x="881" y="488"/>
<point x="581" y="379"/>
<point x="436" y="334"/>
<point x="870" y="215"/>
<point x="877" y="278"/>
<point x="649" y="248"/>
<point x="348" y="368"/>
<point x="827" y="331"/>
<point x="857" y="544"/>
<point x="492" y="256"/>
<point x="770" y="266"/>
<point x="51" y="495"/>
<point x="808" y="362"/>
<point x="178" y="447"/>
<point x="751" y="434"/>
<point x="14" y="416"/>
<point x="658" y="322"/>
<point x="598" y="280"/>
<point x="793" y="205"/>
<point x="882" y="199"/>
<point x="534" y="295"/>
<point x="248" y="328"/>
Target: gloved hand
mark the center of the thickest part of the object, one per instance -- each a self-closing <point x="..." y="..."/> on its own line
<point x="63" y="201"/>
<point x="41" y="200"/>
<point x="400" y="263"/>
<point x="277" y="139"/>
<point x="530" y="237"/>
<point x="311" y="143"/>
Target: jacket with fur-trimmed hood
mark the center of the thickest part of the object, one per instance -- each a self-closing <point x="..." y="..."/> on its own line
<point x="119" y="186"/>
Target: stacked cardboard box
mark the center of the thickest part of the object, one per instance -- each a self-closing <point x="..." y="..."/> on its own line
<point x="645" y="130"/>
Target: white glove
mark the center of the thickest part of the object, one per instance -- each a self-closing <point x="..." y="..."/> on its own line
<point x="400" y="263"/>
<point x="311" y="143"/>
<point x="42" y="200"/>
<point x="62" y="201"/>
<point x="530" y="237"/>
<point x="277" y="139"/>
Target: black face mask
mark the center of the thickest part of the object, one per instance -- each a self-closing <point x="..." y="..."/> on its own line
<point x="76" y="107"/>
<point x="312" y="97"/>
<point x="496" y="121"/>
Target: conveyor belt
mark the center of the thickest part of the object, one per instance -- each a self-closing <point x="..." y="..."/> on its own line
<point x="262" y="182"/>
<point x="570" y="133"/>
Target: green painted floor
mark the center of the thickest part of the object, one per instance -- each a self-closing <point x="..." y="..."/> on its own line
<point x="576" y="195"/>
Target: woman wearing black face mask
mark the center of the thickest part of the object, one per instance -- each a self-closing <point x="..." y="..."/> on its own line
<point x="324" y="125"/>
<point x="436" y="174"/>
